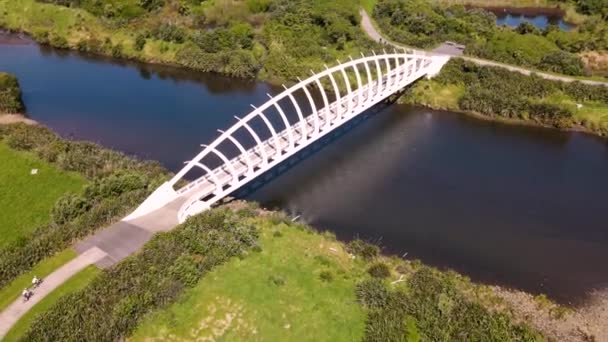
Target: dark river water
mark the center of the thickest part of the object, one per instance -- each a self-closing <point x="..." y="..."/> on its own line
<point x="516" y="206"/>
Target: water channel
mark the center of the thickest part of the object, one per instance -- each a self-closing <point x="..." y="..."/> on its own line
<point x="516" y="206"/>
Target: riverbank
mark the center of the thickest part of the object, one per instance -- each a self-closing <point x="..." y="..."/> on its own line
<point x="495" y="94"/>
<point x="236" y="39"/>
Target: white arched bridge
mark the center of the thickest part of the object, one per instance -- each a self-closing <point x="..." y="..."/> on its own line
<point x="285" y="124"/>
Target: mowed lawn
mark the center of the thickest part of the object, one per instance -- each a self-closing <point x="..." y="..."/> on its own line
<point x="26" y="200"/>
<point x="273" y="295"/>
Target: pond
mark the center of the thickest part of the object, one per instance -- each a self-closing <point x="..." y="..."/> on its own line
<point x="539" y="17"/>
<point x="516" y="206"/>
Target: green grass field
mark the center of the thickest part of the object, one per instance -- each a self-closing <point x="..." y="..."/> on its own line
<point x="77" y="282"/>
<point x="13" y="290"/>
<point x="274" y="295"/>
<point x="26" y="200"/>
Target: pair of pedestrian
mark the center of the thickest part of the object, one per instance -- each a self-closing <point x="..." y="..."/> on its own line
<point x="27" y="293"/>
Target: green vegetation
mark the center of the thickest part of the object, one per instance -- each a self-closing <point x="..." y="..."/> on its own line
<point x="10" y="95"/>
<point x="301" y="286"/>
<point x="117" y="184"/>
<point x="111" y="306"/>
<point x="13" y="290"/>
<point x="27" y="199"/>
<point x="499" y="93"/>
<point x="304" y="285"/>
<point x="72" y="285"/>
<point x="423" y="24"/>
<point x="271" y="39"/>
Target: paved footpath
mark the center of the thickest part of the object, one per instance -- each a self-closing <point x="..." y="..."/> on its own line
<point x="370" y="30"/>
<point x="15" y="311"/>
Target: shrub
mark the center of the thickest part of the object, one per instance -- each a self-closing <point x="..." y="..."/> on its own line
<point x="436" y="309"/>
<point x="140" y="42"/>
<point x="326" y="276"/>
<point x="379" y="270"/>
<point x="69" y="207"/>
<point x="10" y="94"/>
<point x="363" y="249"/>
<point x="563" y="63"/>
<point x="169" y="33"/>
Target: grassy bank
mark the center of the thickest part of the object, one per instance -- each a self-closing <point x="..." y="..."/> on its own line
<point x="495" y="93"/>
<point x="276" y="40"/>
<point x="27" y="199"/>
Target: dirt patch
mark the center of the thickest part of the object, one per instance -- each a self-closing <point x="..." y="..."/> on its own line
<point x="6" y="119"/>
<point x="596" y="62"/>
<point x="586" y="323"/>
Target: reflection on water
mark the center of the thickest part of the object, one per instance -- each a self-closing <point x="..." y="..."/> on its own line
<point x="523" y="207"/>
<point x="539" y="17"/>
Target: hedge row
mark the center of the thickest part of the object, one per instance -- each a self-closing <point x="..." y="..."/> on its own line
<point x="111" y="306"/>
<point x="10" y="95"/>
<point x="118" y="184"/>
<point x="431" y="307"/>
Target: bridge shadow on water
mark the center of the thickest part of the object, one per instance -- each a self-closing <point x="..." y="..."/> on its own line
<point x="311" y="150"/>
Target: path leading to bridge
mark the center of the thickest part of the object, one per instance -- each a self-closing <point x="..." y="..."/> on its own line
<point x="452" y="51"/>
<point x="18" y="308"/>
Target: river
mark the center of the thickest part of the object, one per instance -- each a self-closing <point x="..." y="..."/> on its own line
<point x="516" y="206"/>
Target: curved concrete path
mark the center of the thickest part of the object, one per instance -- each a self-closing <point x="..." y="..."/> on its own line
<point x="18" y="308"/>
<point x="103" y="249"/>
<point x="370" y="30"/>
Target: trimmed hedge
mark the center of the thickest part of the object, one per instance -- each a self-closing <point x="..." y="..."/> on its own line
<point x="10" y="95"/>
<point x="118" y="184"/>
<point x="112" y="305"/>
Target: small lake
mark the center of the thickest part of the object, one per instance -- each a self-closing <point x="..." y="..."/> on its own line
<point x="539" y="17"/>
<point x="517" y="206"/>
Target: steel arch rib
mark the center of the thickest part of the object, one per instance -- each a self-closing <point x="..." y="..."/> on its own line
<point x="379" y="75"/>
<point x="338" y="97"/>
<point x="233" y="173"/>
<point x="300" y="116"/>
<point x="257" y="139"/>
<point x="349" y="90"/>
<point x="275" y="137"/>
<point x="326" y="103"/>
<point x="242" y="150"/>
<point x="213" y="176"/>
<point x="285" y="121"/>
<point x="370" y="80"/>
<point x="314" y="109"/>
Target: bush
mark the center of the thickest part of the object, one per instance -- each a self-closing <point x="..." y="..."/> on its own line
<point x="563" y="63"/>
<point x="379" y="270"/>
<point x="69" y="207"/>
<point x="140" y="42"/>
<point x="363" y="249"/>
<point x="10" y="95"/>
<point x="326" y="276"/>
<point x="112" y="305"/>
<point x="169" y="33"/>
<point x="436" y="309"/>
